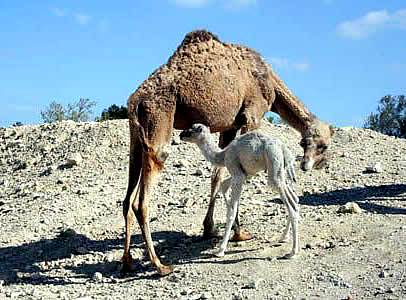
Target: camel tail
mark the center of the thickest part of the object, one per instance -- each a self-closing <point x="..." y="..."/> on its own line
<point x="146" y="148"/>
<point x="147" y="151"/>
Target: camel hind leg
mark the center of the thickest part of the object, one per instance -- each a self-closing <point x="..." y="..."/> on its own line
<point x="216" y="179"/>
<point x="155" y="138"/>
<point x="149" y="173"/>
<point x="135" y="162"/>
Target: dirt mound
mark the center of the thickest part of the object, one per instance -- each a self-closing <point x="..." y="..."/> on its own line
<point x="61" y="188"/>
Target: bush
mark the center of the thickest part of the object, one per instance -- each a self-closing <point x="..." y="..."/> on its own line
<point x="273" y="118"/>
<point x="17" y="124"/>
<point x="113" y="112"/>
<point x="390" y="118"/>
<point x="79" y="111"/>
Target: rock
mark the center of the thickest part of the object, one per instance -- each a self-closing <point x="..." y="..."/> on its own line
<point x="198" y="172"/>
<point x="308" y="246"/>
<point x="109" y="258"/>
<point x="350" y="208"/>
<point x="374" y="168"/>
<point x="176" y="141"/>
<point x="205" y="296"/>
<point x="47" y="171"/>
<point x="74" y="159"/>
<point x="98" y="277"/>
<point x="383" y="274"/>
<point x="20" y="165"/>
<point x="187" y="202"/>
<point x="255" y="284"/>
<point x="182" y="163"/>
<point x="67" y="233"/>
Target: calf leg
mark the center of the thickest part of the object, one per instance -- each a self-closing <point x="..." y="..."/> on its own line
<point x="293" y="219"/>
<point x="232" y="207"/>
<point x="216" y="179"/>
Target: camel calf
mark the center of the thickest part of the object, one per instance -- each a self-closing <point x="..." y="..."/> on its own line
<point x="247" y="155"/>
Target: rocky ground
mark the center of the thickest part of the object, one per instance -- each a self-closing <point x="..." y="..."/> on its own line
<point x="61" y="188"/>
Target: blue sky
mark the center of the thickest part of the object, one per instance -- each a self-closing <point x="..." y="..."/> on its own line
<point x="340" y="57"/>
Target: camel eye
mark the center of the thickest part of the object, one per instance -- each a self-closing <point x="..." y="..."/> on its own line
<point x="322" y="147"/>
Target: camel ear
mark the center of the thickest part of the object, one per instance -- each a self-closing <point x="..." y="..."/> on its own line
<point x="332" y="130"/>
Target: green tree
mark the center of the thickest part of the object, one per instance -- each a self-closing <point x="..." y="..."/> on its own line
<point x="390" y="117"/>
<point x="79" y="111"/>
<point x="272" y="118"/>
<point x="113" y="112"/>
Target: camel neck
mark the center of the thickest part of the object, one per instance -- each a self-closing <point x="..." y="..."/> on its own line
<point x="289" y="107"/>
<point x="211" y="151"/>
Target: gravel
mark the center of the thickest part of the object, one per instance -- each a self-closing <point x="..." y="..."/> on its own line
<point x="61" y="192"/>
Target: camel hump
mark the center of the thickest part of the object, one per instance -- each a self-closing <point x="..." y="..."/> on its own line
<point x="199" y="36"/>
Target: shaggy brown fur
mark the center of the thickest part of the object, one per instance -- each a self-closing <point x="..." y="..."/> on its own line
<point x="224" y="86"/>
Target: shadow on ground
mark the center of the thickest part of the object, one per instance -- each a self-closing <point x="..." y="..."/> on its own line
<point x="20" y="264"/>
<point x="370" y="199"/>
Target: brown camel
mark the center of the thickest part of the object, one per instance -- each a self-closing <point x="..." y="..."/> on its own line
<point x="224" y="86"/>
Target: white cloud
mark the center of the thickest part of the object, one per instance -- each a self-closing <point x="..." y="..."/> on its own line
<point x="371" y="23"/>
<point x="302" y="66"/>
<point x="284" y="63"/>
<point x="58" y="12"/>
<point x="82" y="19"/>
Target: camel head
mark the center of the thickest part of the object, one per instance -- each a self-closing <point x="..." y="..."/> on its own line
<point x="315" y="142"/>
<point x="195" y="134"/>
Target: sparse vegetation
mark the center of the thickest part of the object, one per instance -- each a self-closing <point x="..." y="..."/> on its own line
<point x="79" y="111"/>
<point x="390" y="117"/>
<point x="113" y="112"/>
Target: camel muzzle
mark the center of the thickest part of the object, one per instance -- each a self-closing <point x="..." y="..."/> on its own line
<point x="184" y="134"/>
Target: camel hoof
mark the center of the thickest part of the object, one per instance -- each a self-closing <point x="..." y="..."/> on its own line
<point x="127" y="262"/>
<point x="242" y="236"/>
<point x="165" y="270"/>
<point x="210" y="234"/>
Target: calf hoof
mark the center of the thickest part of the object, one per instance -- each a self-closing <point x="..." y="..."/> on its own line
<point x="219" y="253"/>
<point x="242" y="236"/>
<point x="290" y="255"/>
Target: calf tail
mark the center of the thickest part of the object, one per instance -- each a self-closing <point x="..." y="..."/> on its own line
<point x="289" y="162"/>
